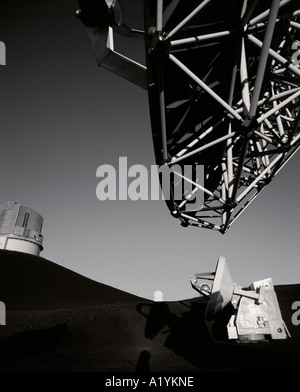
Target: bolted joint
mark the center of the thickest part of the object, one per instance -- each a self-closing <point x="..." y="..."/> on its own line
<point x="285" y="147"/>
<point x="247" y="128"/>
<point x="184" y="223"/>
<point x="230" y="205"/>
<point x="174" y="213"/>
<point x="160" y="45"/>
<point x="78" y="13"/>
<point x="223" y="230"/>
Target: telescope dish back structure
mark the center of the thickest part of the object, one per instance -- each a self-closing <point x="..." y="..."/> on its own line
<point x="223" y="83"/>
<point x="224" y="94"/>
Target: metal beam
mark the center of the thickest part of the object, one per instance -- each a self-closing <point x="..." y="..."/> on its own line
<point x="205" y="87"/>
<point x="275" y="55"/>
<point x="264" y="56"/>
<point x="189" y="17"/>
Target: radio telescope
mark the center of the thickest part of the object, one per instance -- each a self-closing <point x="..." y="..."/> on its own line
<point x="223" y="83"/>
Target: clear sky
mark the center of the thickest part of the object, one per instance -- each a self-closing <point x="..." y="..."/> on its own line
<point x="62" y="117"/>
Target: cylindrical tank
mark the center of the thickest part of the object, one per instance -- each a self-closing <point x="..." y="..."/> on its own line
<point x="20" y="228"/>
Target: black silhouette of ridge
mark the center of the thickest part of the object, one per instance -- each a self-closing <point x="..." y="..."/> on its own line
<point x="31" y="282"/>
<point x="58" y="320"/>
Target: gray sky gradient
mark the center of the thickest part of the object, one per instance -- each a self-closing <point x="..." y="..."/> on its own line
<point x="62" y="117"/>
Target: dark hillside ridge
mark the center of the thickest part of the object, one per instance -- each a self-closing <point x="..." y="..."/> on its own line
<point x="58" y="320"/>
<point x="31" y="282"/>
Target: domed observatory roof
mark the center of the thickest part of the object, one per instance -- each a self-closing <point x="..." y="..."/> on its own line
<point x="20" y="228"/>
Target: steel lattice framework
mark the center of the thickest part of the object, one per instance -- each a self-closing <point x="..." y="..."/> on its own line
<point x="224" y="92"/>
<point x="223" y="84"/>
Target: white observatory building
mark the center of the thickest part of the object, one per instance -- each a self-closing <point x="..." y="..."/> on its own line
<point x="20" y="228"/>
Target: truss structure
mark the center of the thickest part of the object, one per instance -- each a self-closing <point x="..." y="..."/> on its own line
<point x="224" y="92"/>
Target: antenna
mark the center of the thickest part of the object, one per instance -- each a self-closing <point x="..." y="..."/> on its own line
<point x="220" y="294"/>
<point x="257" y="313"/>
<point x="222" y="289"/>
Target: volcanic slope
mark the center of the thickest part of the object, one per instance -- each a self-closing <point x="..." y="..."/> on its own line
<point x="58" y="320"/>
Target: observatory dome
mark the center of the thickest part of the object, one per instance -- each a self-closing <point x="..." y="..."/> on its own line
<point x="20" y="228"/>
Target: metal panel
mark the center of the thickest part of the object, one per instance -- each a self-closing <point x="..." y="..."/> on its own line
<point x="222" y="289"/>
